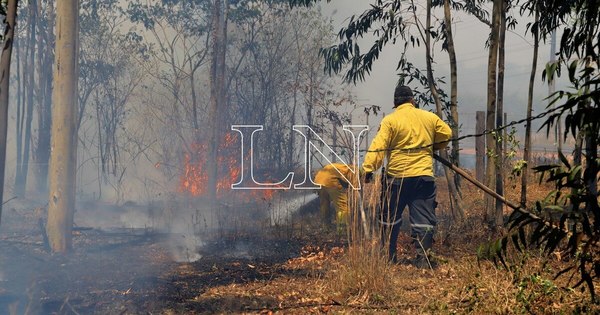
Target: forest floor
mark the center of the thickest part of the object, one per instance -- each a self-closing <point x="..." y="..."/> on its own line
<point x="291" y="269"/>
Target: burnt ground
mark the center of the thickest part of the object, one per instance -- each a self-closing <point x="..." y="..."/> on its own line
<point x="131" y="271"/>
<point x="288" y="269"/>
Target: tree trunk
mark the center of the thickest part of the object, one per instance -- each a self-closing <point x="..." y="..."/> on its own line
<point x="19" y="78"/>
<point x="455" y="155"/>
<point x="5" y="58"/>
<point x="217" y="77"/>
<point x="456" y="205"/>
<point x="491" y="114"/>
<point x="23" y="167"/>
<point x="42" y="152"/>
<point x="527" y="148"/>
<point x="551" y="89"/>
<point x="499" y="213"/>
<point x="309" y="113"/>
<point x="21" y="101"/>
<point x="46" y="58"/>
<point x="590" y="174"/>
<point x="63" y="159"/>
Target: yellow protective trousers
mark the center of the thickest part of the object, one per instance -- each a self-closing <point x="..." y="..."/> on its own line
<point x="340" y="203"/>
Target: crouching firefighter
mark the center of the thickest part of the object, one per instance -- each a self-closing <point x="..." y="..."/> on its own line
<point x="407" y="138"/>
<point x="334" y="180"/>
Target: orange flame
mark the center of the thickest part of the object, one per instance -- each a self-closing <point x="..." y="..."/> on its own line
<point x="194" y="179"/>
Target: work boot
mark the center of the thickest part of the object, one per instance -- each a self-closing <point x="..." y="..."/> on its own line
<point x="425" y="262"/>
<point x="423" y="245"/>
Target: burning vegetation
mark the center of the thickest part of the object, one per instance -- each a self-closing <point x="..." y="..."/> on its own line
<point x="194" y="179"/>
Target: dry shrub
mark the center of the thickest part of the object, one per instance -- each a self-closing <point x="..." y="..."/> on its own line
<point x="485" y="288"/>
<point x="362" y="275"/>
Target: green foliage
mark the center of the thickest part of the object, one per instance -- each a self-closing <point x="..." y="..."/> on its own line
<point x="383" y="21"/>
<point x="306" y="3"/>
<point x="568" y="220"/>
<point x="189" y="16"/>
<point x="3" y="8"/>
<point x="409" y="73"/>
<point x="530" y="288"/>
<point x="510" y="156"/>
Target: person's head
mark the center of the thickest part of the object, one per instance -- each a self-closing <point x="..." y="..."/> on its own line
<point x="402" y="94"/>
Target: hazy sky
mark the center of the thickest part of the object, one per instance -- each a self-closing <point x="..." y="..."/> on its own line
<point x="470" y="36"/>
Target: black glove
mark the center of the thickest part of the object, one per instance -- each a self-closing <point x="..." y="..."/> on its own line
<point x="343" y="183"/>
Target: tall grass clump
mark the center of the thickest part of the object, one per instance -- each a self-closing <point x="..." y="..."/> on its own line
<point x="363" y="275"/>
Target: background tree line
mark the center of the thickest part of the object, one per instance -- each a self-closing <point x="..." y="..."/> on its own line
<point x="146" y="61"/>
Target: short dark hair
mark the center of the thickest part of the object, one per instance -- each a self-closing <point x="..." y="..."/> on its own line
<point x="402" y="94"/>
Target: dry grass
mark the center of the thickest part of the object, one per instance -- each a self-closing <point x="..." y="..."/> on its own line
<point x="461" y="286"/>
<point x="340" y="279"/>
<point x="362" y="276"/>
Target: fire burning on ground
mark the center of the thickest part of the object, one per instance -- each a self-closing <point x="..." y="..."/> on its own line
<point x="194" y="178"/>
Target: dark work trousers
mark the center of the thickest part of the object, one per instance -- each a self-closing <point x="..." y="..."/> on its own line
<point x="418" y="193"/>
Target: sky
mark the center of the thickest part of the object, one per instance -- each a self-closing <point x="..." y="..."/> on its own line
<point x="470" y="36"/>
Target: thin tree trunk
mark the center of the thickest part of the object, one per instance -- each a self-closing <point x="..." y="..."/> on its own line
<point x="216" y="97"/>
<point x="5" y="58"/>
<point x="223" y="62"/>
<point x="551" y="89"/>
<point x="214" y="104"/>
<point x="590" y="174"/>
<point x="499" y="213"/>
<point x="25" y="102"/>
<point x="290" y="149"/>
<point x="453" y="91"/>
<point x="457" y="210"/>
<point x="295" y="97"/>
<point x="46" y="55"/>
<point x="63" y="159"/>
<point x="194" y="101"/>
<point x="30" y="101"/>
<point x="491" y="113"/>
<point x="527" y="148"/>
<point x="20" y="122"/>
<point x="42" y="154"/>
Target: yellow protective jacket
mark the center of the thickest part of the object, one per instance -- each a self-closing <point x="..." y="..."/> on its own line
<point x="329" y="177"/>
<point x="405" y="137"/>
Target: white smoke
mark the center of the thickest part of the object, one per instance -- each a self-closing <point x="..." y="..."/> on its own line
<point x="185" y="225"/>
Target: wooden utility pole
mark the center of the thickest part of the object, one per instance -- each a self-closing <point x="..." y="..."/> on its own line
<point x="9" y="34"/>
<point x="480" y="146"/>
<point x="63" y="157"/>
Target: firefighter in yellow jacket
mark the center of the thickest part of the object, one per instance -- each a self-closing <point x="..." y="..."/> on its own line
<point x="407" y="138"/>
<point x="334" y="179"/>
